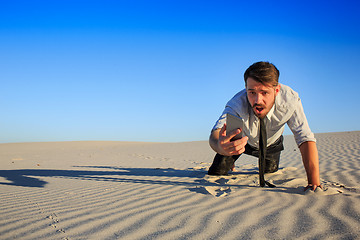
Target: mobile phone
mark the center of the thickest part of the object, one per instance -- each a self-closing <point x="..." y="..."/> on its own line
<point x="232" y="123"/>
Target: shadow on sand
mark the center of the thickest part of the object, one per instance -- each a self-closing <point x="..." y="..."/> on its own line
<point x="31" y="177"/>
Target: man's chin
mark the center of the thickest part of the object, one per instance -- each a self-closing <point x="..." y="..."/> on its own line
<point x="261" y="114"/>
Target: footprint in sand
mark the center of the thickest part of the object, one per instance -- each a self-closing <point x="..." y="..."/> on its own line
<point x="218" y="191"/>
<point x="55" y="220"/>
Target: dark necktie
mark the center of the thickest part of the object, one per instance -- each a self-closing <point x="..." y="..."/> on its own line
<point x="262" y="154"/>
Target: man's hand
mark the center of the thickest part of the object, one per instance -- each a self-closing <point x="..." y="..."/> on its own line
<point x="221" y="142"/>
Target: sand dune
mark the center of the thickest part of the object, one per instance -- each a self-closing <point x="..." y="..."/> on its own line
<point x="129" y="190"/>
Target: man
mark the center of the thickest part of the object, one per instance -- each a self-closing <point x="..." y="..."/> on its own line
<point x="264" y="102"/>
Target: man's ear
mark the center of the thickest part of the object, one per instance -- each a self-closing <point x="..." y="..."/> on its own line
<point x="277" y="89"/>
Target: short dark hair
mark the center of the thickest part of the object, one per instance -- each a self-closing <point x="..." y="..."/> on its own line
<point x="263" y="72"/>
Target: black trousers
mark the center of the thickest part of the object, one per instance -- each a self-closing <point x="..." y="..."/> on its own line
<point x="222" y="164"/>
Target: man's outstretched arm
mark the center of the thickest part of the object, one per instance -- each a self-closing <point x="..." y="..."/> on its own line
<point x="310" y="159"/>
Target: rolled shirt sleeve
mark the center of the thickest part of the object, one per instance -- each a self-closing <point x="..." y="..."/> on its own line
<point x="220" y="122"/>
<point x="299" y="126"/>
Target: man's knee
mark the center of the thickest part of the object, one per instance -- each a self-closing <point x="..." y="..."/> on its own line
<point x="272" y="162"/>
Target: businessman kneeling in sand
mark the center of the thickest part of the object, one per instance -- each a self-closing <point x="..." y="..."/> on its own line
<point x="264" y="107"/>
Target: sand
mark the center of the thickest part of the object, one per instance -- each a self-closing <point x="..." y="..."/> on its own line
<point x="129" y="190"/>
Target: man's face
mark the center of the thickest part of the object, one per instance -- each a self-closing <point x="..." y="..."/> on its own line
<point x="261" y="97"/>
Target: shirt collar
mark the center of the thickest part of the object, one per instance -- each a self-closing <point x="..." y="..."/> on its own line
<point x="271" y="112"/>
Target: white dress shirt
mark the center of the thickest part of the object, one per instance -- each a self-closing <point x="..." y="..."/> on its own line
<point x="287" y="109"/>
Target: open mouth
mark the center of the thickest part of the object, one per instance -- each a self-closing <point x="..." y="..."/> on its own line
<point x="259" y="110"/>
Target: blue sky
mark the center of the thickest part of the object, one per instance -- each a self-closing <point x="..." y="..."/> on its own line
<point x="163" y="70"/>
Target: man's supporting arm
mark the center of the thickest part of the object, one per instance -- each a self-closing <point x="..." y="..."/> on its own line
<point x="310" y="159"/>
